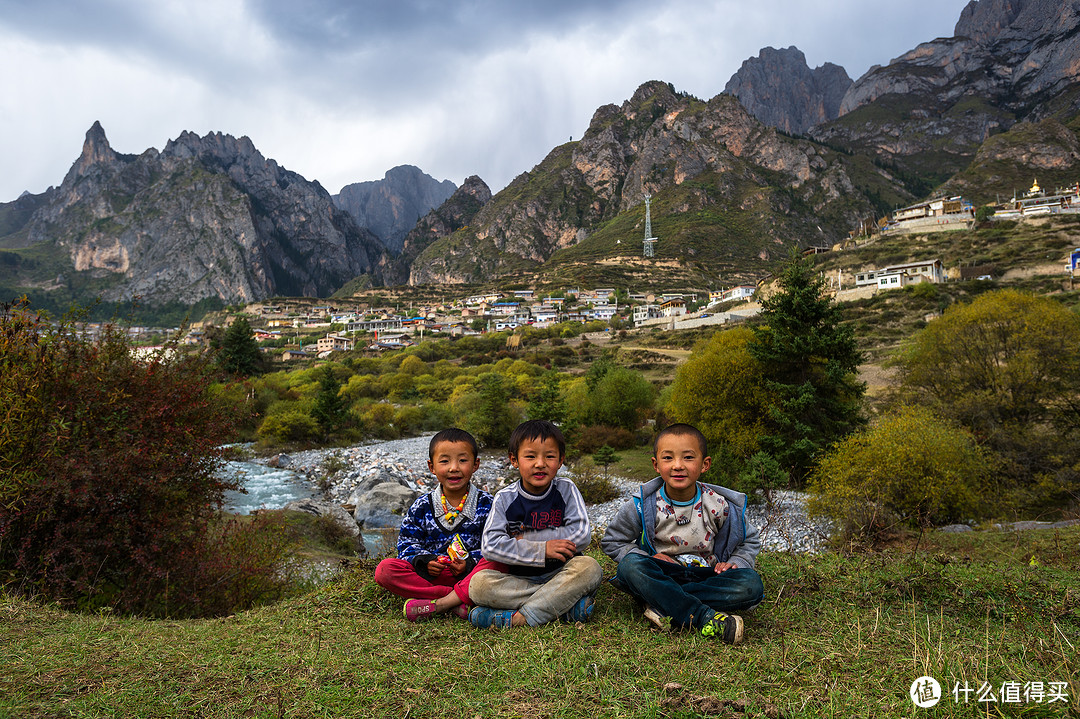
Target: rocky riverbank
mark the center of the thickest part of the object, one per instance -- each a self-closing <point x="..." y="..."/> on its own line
<point x="377" y="481"/>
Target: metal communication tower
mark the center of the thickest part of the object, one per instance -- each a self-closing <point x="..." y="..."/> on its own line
<point x="650" y="241"/>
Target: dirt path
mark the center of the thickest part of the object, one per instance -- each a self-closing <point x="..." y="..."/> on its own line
<point x="677" y="355"/>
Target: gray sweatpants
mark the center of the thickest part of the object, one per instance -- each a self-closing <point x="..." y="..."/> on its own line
<point x="539" y="599"/>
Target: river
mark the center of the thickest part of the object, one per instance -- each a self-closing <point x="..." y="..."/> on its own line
<point x="267" y="488"/>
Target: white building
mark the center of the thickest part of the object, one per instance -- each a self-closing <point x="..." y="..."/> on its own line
<point x="737" y="293"/>
<point x="673" y="308"/>
<point x="645" y="312"/>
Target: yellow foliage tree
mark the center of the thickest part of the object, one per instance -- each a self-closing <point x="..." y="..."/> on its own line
<point x="909" y="467"/>
<point x="721" y="391"/>
<point x="1006" y="367"/>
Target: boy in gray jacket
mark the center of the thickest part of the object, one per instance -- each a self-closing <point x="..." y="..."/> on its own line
<point x="684" y="548"/>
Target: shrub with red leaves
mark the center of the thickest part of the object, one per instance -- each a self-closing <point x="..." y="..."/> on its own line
<point x="108" y="489"/>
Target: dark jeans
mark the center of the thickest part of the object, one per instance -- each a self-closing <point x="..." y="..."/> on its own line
<point x="689" y="595"/>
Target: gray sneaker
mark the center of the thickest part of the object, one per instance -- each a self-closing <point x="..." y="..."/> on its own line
<point x="657" y="619"/>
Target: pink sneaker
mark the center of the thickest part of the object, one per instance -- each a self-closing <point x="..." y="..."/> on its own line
<point x="417" y="610"/>
<point x="461" y="610"/>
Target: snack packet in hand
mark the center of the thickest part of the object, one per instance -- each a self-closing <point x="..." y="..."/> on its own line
<point x="457" y="549"/>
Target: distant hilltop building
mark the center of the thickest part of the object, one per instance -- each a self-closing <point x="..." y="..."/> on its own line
<point x="1036" y="202"/>
<point x="936" y="215"/>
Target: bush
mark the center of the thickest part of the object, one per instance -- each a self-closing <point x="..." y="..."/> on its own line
<point x="109" y="494"/>
<point x="595" y="487"/>
<point x="290" y="425"/>
<point x="910" y="467"/>
<point x="378" y="420"/>
<point x="408" y="419"/>
<point x="721" y="390"/>
<point x="589" y="439"/>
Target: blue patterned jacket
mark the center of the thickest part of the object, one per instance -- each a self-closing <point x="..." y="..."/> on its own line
<point x="425" y="533"/>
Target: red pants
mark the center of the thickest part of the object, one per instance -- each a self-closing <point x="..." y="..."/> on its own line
<point x="398" y="577"/>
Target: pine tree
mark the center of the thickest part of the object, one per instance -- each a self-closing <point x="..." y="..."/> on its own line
<point x="238" y="353"/>
<point x="605" y="456"/>
<point x="810" y="363"/>
<point x="330" y="410"/>
<point x="547" y="403"/>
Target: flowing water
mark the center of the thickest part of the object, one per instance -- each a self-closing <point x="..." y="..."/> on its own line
<point x="267" y="488"/>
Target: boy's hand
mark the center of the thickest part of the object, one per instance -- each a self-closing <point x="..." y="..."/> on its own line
<point x="435" y="567"/>
<point x="561" y="549"/>
<point x="457" y="567"/>
<point x="724" y="566"/>
<point x="665" y="558"/>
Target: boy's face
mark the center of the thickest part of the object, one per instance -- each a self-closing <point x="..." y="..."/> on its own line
<point x="537" y="462"/>
<point x="679" y="462"/>
<point x="453" y="464"/>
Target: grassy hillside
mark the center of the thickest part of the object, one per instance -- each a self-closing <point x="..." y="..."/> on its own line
<point x="837" y="636"/>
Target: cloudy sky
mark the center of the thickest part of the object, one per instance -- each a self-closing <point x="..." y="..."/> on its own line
<point x="342" y="90"/>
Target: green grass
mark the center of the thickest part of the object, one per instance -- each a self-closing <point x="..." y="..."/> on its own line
<point x="835" y="637"/>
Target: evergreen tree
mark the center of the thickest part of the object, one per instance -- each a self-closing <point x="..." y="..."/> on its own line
<point x="238" y="351"/>
<point x="605" y="456"/>
<point x="810" y="363"/>
<point x="330" y="410"/>
<point x="547" y="403"/>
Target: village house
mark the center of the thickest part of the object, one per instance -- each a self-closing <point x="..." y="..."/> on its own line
<point x="504" y="309"/>
<point x="331" y="343"/>
<point x="602" y="312"/>
<point x="646" y="312"/>
<point x="545" y="313"/>
<point x="740" y="292"/>
<point x="673" y="307"/>
<point x="374" y="325"/>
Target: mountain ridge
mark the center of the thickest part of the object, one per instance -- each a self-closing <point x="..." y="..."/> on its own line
<point x="205" y="217"/>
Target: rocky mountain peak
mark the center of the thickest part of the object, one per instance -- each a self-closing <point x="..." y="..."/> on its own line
<point x="206" y="217"/>
<point x="779" y="89"/>
<point x="96" y="151"/>
<point x="391" y="207"/>
<point x="988" y="21"/>
<point x="658" y="97"/>
<point x="476" y="188"/>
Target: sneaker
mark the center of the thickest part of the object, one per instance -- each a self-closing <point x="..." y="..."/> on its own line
<point x="417" y="610"/>
<point x="728" y="627"/>
<point x="487" y="618"/>
<point x="460" y="611"/>
<point x="657" y="619"/>
<point x="580" y="612"/>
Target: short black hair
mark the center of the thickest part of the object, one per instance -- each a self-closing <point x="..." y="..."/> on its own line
<point x="453" y="434"/>
<point x="682" y="430"/>
<point x="539" y="429"/>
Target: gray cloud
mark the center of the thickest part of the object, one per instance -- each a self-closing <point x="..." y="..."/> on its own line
<point x="341" y="91"/>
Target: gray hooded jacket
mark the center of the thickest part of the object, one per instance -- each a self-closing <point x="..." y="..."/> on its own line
<point x="632" y="529"/>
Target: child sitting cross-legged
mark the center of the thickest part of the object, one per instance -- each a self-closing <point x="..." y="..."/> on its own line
<point x="683" y="547"/>
<point x="538" y="528"/>
<point x="439" y="540"/>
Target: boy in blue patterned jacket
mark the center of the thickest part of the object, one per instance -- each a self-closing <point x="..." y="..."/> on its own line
<point x="426" y="570"/>
<point x="684" y="548"/>
<point x="538" y="528"/>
